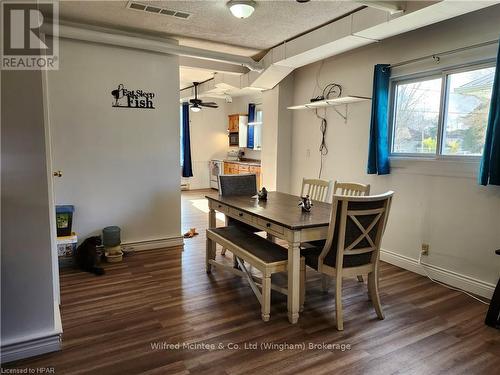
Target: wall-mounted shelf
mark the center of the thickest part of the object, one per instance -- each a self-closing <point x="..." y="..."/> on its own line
<point x="344" y="100"/>
<point x="331" y="102"/>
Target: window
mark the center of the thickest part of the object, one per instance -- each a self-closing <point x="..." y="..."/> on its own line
<point x="442" y="114"/>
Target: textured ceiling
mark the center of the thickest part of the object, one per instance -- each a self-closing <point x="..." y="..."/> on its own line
<point x="189" y="75"/>
<point x="271" y="23"/>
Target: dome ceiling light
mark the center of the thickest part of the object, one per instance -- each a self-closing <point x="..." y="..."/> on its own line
<point x="241" y="8"/>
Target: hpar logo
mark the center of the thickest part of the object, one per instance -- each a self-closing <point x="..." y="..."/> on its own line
<point x="30" y="40"/>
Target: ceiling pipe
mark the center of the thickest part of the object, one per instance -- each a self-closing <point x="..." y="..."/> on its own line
<point x="72" y="32"/>
<point x="392" y="7"/>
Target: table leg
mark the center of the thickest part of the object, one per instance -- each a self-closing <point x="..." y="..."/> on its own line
<point x="223" y="252"/>
<point x="211" y="218"/>
<point x="293" y="280"/>
<point x="210" y="250"/>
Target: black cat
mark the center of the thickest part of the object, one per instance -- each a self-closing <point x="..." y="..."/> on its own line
<point x="86" y="255"/>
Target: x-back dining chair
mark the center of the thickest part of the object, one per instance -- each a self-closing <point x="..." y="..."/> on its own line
<point x="349" y="188"/>
<point x="318" y="190"/>
<point x="238" y="184"/>
<point x="353" y="243"/>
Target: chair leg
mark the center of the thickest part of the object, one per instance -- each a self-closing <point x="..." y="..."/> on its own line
<point x="325" y="283"/>
<point x="373" y="292"/>
<point x="266" y="297"/>
<point x="338" y="302"/>
<point x="360" y="278"/>
<point x="493" y="315"/>
<point x="302" y="297"/>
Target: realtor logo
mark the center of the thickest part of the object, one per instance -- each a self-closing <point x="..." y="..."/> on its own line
<point x="30" y="35"/>
<point x="124" y="98"/>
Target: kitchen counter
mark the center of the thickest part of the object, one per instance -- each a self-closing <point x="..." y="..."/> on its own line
<point x="243" y="167"/>
<point x="246" y="162"/>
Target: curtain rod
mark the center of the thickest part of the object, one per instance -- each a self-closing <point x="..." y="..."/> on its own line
<point x="436" y="56"/>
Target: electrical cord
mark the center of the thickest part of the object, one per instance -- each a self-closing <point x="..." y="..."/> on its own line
<point x="323" y="149"/>
<point x="318" y="73"/>
<point x="445" y="285"/>
<point x="331" y="89"/>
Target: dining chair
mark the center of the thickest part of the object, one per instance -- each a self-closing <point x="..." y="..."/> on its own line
<point x="318" y="190"/>
<point x="493" y="315"/>
<point x="352" y="246"/>
<point x="238" y="185"/>
<point x="349" y="188"/>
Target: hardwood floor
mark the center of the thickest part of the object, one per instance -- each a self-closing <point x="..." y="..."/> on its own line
<point x="165" y="296"/>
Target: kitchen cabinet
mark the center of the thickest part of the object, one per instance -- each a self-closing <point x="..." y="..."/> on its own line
<point x="256" y="170"/>
<point x="238" y="123"/>
<point x="230" y="168"/>
<point x="241" y="168"/>
<point x="234" y="123"/>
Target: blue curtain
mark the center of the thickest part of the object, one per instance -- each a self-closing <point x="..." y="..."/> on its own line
<point x="378" y="149"/>
<point x="251" y="118"/>
<point x="187" y="169"/>
<point x="489" y="172"/>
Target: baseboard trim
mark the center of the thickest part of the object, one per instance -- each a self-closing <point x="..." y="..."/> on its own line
<point x="32" y="345"/>
<point x="30" y="348"/>
<point x="451" y="278"/>
<point x="154" y="244"/>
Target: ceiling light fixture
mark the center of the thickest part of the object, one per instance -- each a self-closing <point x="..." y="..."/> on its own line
<point x="195" y="108"/>
<point x="241" y="8"/>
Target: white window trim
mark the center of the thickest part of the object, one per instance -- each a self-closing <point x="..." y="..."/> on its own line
<point x="402" y="158"/>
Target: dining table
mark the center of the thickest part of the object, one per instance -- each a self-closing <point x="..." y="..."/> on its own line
<point x="280" y="217"/>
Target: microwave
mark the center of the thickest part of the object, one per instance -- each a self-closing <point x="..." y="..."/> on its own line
<point x="234" y="139"/>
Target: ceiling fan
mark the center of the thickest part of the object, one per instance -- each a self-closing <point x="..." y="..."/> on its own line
<point x="196" y="103"/>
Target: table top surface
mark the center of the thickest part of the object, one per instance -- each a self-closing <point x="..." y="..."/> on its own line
<point x="280" y="208"/>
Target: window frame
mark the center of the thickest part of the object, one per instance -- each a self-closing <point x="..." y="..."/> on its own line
<point x="444" y="74"/>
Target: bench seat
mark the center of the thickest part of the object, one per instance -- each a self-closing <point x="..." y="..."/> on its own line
<point x="262" y="254"/>
<point x="261" y="248"/>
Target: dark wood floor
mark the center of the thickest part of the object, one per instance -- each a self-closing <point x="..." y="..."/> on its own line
<point x="161" y="296"/>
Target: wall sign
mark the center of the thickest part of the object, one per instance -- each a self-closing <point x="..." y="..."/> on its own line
<point x="124" y="98"/>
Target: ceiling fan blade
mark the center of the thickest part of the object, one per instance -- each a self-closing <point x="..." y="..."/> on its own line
<point x="209" y="104"/>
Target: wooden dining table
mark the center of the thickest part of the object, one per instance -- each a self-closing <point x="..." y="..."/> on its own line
<point x="280" y="217"/>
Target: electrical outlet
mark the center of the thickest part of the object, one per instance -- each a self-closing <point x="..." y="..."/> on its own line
<point x="425" y="249"/>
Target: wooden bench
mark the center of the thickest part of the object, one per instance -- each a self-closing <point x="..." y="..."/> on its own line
<point x="265" y="256"/>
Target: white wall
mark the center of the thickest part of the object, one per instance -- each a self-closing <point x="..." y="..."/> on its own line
<point x="208" y="130"/>
<point x="449" y="210"/>
<point x="120" y="166"/>
<point x="277" y="136"/>
<point x="28" y="312"/>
